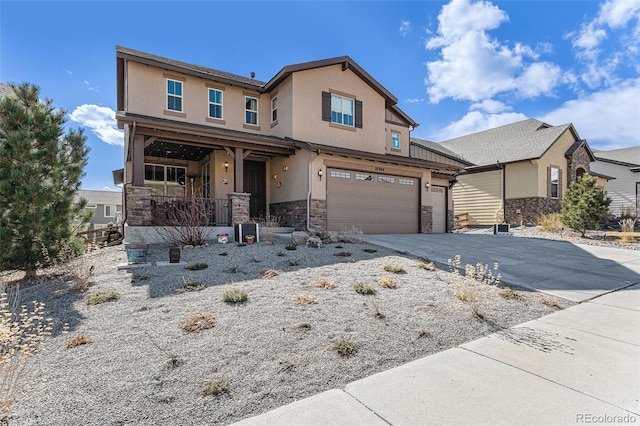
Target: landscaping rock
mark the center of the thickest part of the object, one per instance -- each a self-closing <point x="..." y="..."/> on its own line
<point x="299" y="238"/>
<point x="314" y="242"/>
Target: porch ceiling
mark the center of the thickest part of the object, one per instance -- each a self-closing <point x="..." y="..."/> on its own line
<point x="178" y="151"/>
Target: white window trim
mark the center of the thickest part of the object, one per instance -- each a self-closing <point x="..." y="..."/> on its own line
<point x="112" y="208"/>
<point x="175" y="96"/>
<point x="353" y="110"/>
<point x="274" y="99"/>
<point x="214" y="103"/>
<point x="399" y="141"/>
<point x="250" y="110"/>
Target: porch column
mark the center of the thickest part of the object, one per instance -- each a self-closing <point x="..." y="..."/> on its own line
<point x="239" y="171"/>
<point x="239" y="207"/>
<point x="138" y="160"/>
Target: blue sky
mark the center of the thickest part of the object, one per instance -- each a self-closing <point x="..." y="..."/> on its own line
<point x="456" y="66"/>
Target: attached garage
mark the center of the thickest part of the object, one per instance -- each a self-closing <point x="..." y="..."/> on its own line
<point x="375" y="203"/>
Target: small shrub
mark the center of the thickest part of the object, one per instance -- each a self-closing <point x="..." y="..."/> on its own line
<point x="77" y="340"/>
<point x="269" y="273"/>
<point x="102" y="297"/>
<point x="191" y="286"/>
<point x="342" y="254"/>
<point x="303" y="299"/>
<point x="387" y="282"/>
<point x="198" y="322"/>
<point x="507" y="293"/>
<point x="294" y="262"/>
<point x="426" y="266"/>
<point x="395" y="268"/>
<point x="345" y="348"/>
<point x="196" y="266"/>
<point x="370" y="250"/>
<point x="326" y="284"/>
<point x="216" y="387"/>
<point x="627" y="227"/>
<point x="552" y="302"/>
<point x="364" y="289"/>
<point x="235" y="269"/>
<point x="281" y="253"/>
<point x="235" y="296"/>
<point x="550" y="222"/>
<point x="291" y="247"/>
<point x="470" y="286"/>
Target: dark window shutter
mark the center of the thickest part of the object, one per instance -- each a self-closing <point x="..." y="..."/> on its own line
<point x="559" y="184"/>
<point x="548" y="182"/>
<point x="326" y="106"/>
<point x="359" y="114"/>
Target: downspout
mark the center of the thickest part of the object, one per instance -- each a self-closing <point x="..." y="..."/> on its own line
<point x="309" y="193"/>
<point x="504" y="193"/>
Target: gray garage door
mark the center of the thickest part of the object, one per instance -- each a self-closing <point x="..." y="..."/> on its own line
<point x="375" y="203"/>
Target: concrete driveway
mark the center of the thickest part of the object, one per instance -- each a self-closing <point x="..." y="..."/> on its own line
<point x="573" y="271"/>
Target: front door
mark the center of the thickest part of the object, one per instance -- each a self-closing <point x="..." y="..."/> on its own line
<point x="255" y="183"/>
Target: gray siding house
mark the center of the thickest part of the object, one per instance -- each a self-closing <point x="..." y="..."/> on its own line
<point x="105" y="205"/>
<point x="623" y="165"/>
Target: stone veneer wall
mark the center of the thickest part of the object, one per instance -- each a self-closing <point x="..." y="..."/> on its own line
<point x="138" y="206"/>
<point x="530" y="209"/>
<point x="579" y="159"/>
<point x="426" y="219"/>
<point x="451" y="220"/>
<point x="292" y="213"/>
<point x="318" y="215"/>
<point x="239" y="207"/>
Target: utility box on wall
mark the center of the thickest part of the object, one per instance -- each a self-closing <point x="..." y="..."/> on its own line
<point x="501" y="229"/>
<point x="241" y="230"/>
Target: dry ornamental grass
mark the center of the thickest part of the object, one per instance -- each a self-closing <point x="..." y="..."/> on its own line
<point x="198" y="322"/>
<point x="78" y="340"/>
<point x="303" y="299"/>
<point x="326" y="284"/>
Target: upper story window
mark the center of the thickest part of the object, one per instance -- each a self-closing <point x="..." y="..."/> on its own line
<point x="342" y="110"/>
<point x="215" y="103"/>
<point x="395" y="140"/>
<point x="274" y="109"/>
<point x="109" y="211"/>
<point x="250" y="110"/>
<point x="174" y="95"/>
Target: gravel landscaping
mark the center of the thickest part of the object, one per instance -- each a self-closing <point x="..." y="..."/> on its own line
<point x="289" y="340"/>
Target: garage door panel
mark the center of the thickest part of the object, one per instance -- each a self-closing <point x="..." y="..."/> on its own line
<point x="375" y="203"/>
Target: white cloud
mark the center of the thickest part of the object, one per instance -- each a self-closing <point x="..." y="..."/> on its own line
<point x="476" y="121"/>
<point x="491" y="106"/>
<point x="473" y="66"/>
<point x="101" y="121"/>
<point x="90" y="86"/>
<point x="68" y="72"/>
<point x="405" y="26"/>
<point x="414" y="100"/>
<point x="607" y="119"/>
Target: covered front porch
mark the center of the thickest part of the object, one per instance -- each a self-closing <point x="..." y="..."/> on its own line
<point x="172" y="166"/>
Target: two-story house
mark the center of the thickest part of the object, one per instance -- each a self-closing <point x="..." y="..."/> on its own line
<point x="322" y="144"/>
<point x="105" y="207"/>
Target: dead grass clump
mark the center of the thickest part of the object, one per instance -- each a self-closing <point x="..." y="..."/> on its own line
<point x="387" y="282"/>
<point x="364" y="289"/>
<point x="78" y="340"/>
<point x="342" y="254"/>
<point x="395" y="268"/>
<point x="198" y="322"/>
<point x="191" y="286"/>
<point x="550" y="222"/>
<point x="269" y="273"/>
<point x="426" y="266"/>
<point x="235" y="296"/>
<point x="345" y="348"/>
<point x="326" y="284"/>
<point x="215" y="387"/>
<point x="626" y="227"/>
<point x="507" y="293"/>
<point x="102" y="297"/>
<point x="303" y="299"/>
<point x="552" y="302"/>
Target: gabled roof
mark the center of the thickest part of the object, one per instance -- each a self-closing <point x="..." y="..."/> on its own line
<point x="524" y="140"/>
<point x="99" y="197"/>
<point x="577" y="145"/>
<point x="261" y="86"/>
<point x="439" y="149"/>
<point x="624" y="156"/>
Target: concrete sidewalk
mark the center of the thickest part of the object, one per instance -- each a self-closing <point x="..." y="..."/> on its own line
<point x="571" y="271"/>
<point x="580" y="365"/>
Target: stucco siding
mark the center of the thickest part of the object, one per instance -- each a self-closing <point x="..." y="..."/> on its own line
<point x="555" y="157"/>
<point x="522" y="180"/>
<point x="479" y="195"/>
<point x="621" y="190"/>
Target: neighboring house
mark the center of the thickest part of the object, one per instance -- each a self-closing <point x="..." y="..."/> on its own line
<point x="322" y="145"/>
<point x="624" y="165"/>
<point x="105" y="206"/>
<point x="518" y="172"/>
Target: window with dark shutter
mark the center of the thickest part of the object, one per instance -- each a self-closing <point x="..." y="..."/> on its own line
<point x="359" y="114"/>
<point x="326" y="106"/>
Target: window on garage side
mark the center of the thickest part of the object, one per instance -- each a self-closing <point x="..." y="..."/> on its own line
<point x="340" y="174"/>
<point x="341" y="109"/>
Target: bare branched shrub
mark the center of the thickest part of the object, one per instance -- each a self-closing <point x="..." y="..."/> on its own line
<point x="268" y="228"/>
<point x="20" y="336"/>
<point x="550" y="222"/>
<point x="187" y="220"/>
<point x="471" y="287"/>
<point x="628" y="212"/>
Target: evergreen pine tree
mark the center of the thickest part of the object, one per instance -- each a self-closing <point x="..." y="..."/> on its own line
<point x="40" y="170"/>
<point x="584" y="204"/>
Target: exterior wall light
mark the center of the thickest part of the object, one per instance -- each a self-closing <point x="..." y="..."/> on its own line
<point x="285" y="168"/>
<point x="275" y="176"/>
<point x="226" y="166"/>
<point x="320" y="173"/>
<point x="427" y="185"/>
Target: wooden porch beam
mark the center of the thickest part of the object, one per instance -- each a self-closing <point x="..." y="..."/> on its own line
<point x="138" y="160"/>
<point x="246" y="154"/>
<point x="230" y="152"/>
<point x="150" y="140"/>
